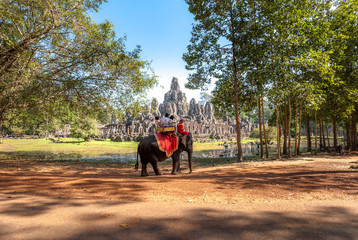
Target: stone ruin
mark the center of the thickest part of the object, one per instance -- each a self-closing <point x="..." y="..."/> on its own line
<point x="200" y="119"/>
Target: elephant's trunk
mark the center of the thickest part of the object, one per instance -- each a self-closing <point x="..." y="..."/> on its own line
<point x="190" y="154"/>
<point x="136" y="165"/>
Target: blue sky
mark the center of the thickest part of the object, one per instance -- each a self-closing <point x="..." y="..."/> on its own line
<point x="162" y="28"/>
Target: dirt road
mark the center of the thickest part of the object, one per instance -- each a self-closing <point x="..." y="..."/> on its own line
<point x="305" y="198"/>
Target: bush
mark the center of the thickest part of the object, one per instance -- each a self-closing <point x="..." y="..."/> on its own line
<point x="84" y="128"/>
<point x="271" y="134"/>
<point x="117" y="139"/>
<point x="139" y="138"/>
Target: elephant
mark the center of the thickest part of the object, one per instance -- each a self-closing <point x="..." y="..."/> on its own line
<point x="149" y="152"/>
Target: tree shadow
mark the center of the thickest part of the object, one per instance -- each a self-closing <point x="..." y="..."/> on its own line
<point x="289" y="177"/>
<point x="208" y="223"/>
<point x="84" y="179"/>
<point x="76" y="184"/>
<point x="61" y="184"/>
<point x="322" y="223"/>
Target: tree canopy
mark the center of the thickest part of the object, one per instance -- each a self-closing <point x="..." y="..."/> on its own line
<point x="289" y="53"/>
<point x="53" y="54"/>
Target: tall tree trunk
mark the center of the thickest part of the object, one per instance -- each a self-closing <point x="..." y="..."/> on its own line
<point x="354" y="131"/>
<point x="324" y="138"/>
<point x="315" y="130"/>
<point x="285" y="129"/>
<point x="329" y="145"/>
<point x="289" y="125"/>
<point x="47" y="135"/>
<point x="278" y="129"/>
<point x="334" y="131"/>
<point x="299" y="131"/>
<point x="349" y="131"/>
<point x="263" y="120"/>
<point x="308" y="132"/>
<point x="296" y="121"/>
<point x="320" y="129"/>
<point x="237" y="114"/>
<point x="260" y="129"/>
<point x="2" y="134"/>
<point x="280" y="124"/>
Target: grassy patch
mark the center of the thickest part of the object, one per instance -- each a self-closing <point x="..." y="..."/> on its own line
<point x="96" y="153"/>
<point x="199" y="146"/>
<point x="78" y="146"/>
<point x="69" y="146"/>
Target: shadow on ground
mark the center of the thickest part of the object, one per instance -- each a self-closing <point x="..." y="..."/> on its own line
<point x="101" y="202"/>
<point x="189" y="223"/>
<point x="71" y="180"/>
<point x="322" y="223"/>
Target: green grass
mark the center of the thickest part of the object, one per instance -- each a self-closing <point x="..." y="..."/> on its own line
<point x="68" y="145"/>
<point x="91" y="148"/>
<point x="72" y="150"/>
<point x="207" y="146"/>
<point x="218" y="144"/>
<point x="76" y="146"/>
<point x="75" y="149"/>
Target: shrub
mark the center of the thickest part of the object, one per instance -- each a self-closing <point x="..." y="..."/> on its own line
<point x="271" y="134"/>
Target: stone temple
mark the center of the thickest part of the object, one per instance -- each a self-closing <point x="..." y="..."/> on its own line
<point x="200" y="119"/>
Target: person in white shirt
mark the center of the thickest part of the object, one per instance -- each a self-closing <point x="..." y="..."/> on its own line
<point x="165" y="120"/>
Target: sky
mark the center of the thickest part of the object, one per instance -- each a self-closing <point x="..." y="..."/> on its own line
<point x="163" y="30"/>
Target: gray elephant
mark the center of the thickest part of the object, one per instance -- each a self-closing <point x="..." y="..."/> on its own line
<point x="149" y="152"/>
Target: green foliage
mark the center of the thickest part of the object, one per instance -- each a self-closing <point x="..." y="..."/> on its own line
<point x="206" y="97"/>
<point x="219" y="28"/>
<point x="302" y="50"/>
<point x="84" y="128"/>
<point x="271" y="134"/>
<point x="54" y="57"/>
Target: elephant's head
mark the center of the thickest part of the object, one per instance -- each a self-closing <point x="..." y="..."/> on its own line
<point x="186" y="143"/>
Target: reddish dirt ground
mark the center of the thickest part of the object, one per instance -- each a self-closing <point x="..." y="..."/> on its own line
<point x="311" y="197"/>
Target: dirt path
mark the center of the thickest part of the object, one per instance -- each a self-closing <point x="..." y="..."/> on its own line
<point x="306" y="198"/>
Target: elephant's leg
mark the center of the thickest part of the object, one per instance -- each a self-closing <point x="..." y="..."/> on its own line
<point x="178" y="169"/>
<point x="155" y="168"/>
<point x="154" y="161"/>
<point x="176" y="163"/>
<point x="144" y="168"/>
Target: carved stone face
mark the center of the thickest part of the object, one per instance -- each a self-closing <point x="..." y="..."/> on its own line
<point x="155" y="104"/>
<point x="175" y="84"/>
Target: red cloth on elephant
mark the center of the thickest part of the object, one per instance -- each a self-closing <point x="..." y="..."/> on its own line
<point x="168" y="143"/>
<point x="180" y="129"/>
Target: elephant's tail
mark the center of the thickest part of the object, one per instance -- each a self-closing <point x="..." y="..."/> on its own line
<point x="136" y="165"/>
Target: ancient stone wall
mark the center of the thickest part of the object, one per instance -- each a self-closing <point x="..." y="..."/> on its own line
<point x="200" y="119"/>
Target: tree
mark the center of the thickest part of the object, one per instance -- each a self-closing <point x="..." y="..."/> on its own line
<point x="219" y="50"/>
<point x="52" y="51"/>
<point x="345" y="25"/>
<point x="297" y="55"/>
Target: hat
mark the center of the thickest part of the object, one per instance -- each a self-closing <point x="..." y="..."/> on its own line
<point x="182" y="120"/>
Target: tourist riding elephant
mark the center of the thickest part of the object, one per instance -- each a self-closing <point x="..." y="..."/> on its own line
<point x="149" y="152"/>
